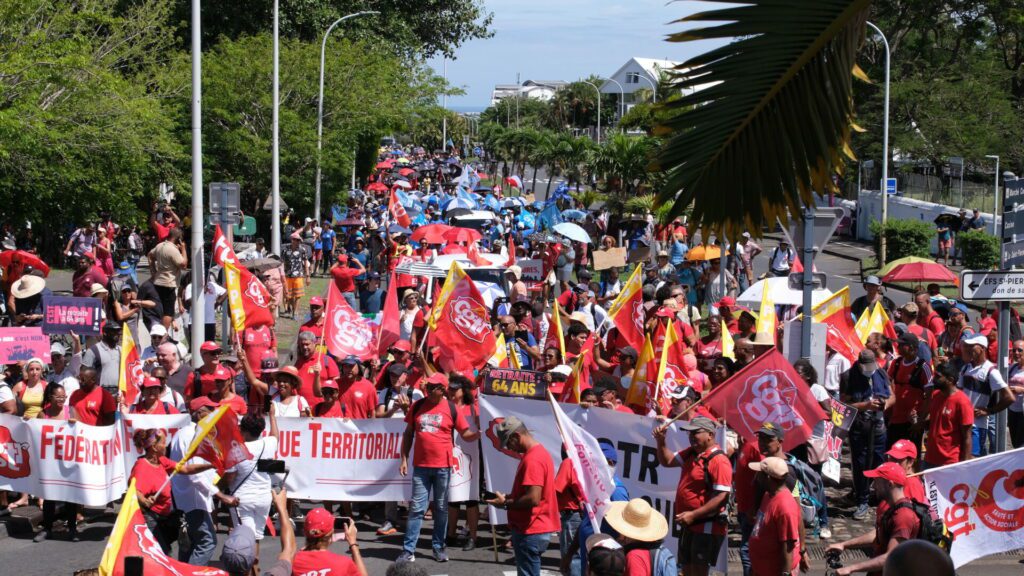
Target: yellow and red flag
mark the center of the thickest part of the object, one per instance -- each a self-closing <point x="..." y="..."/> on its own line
<point x="397" y="210"/>
<point x="627" y="310"/>
<point x="835" y="314"/>
<point x="637" y="395"/>
<point x="131" y="537"/>
<point x="671" y="371"/>
<point x="455" y="275"/>
<point x="728" y="344"/>
<point x="130" y="377"/>
<point x="218" y="440"/>
<point x="579" y="379"/>
<point x="462" y="327"/>
<point x="766" y="317"/>
<point x="248" y="299"/>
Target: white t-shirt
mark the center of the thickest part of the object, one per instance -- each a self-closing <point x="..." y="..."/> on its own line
<point x="835" y="367"/>
<point x="981" y="384"/>
<point x="210" y="295"/>
<point x="292" y="409"/>
<point x="819" y="392"/>
<point x="249" y="484"/>
<point x="416" y="395"/>
<point x="6" y="394"/>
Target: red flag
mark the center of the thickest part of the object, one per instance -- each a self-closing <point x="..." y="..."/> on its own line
<point x="398" y="211"/>
<point x="219" y="441"/>
<point x="627" y="311"/>
<point x="797" y="266"/>
<point x="248" y="299"/>
<point x="579" y="379"/>
<point x="835" y="314"/>
<point x="129" y="380"/>
<point x="511" y="251"/>
<point x="671" y="372"/>
<point x="767" y="390"/>
<point x="345" y="331"/>
<point x="474" y="255"/>
<point x="462" y="327"/>
<point x="389" y="319"/>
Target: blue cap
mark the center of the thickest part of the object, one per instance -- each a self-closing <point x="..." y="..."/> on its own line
<point x="351" y="359"/>
<point x="609" y="451"/>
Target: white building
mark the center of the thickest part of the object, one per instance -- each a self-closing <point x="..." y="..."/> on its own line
<point x="636" y="74"/>
<point x="542" y="90"/>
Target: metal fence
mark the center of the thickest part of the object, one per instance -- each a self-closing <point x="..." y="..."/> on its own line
<point x="939" y="190"/>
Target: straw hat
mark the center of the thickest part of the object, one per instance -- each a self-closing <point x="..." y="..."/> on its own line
<point x="97" y="289"/>
<point x="28" y="286"/>
<point x="637" y="520"/>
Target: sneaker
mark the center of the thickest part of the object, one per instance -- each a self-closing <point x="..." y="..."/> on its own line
<point x="74" y="537"/>
<point x="861" y="513"/>
<point x="440" y="555"/>
<point x="825" y="533"/>
<point x="387" y="529"/>
<point x="405" y="557"/>
<point x="42" y="536"/>
<point x="469" y="545"/>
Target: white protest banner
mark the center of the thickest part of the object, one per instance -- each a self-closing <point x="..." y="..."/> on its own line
<point x="57" y="460"/>
<point x="980" y="502"/>
<point x="637" y="466"/>
<point x="533" y="269"/>
<point x="588" y="461"/>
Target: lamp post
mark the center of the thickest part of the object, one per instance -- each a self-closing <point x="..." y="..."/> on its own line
<point x="995" y="207"/>
<point x="885" y="147"/>
<point x="654" y="86"/>
<point x="198" y="283"/>
<point x="622" y="97"/>
<point x="444" y="106"/>
<point x="320" y="108"/>
<point x="598" y="90"/>
<point x="275" y="162"/>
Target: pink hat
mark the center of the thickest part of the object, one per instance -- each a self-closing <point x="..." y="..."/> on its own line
<point x="316" y="301"/>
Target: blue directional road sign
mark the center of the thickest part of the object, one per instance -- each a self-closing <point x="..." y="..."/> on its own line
<point x="890" y="186"/>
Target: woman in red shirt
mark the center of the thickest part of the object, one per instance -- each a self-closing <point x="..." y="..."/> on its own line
<point x="710" y="347"/>
<point x="149" y="400"/>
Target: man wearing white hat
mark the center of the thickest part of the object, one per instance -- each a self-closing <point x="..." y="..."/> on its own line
<point x="775" y="541"/>
<point x="64" y="370"/>
<point x="985" y="387"/>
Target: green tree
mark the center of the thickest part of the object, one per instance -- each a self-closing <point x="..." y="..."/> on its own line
<point x="532" y="113"/>
<point x="575" y="106"/>
<point x="624" y="161"/>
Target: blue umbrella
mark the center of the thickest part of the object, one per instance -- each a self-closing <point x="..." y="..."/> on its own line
<point x="491" y="202"/>
<point x="396" y="229"/>
<point x="459" y="203"/>
<point x="578" y="215"/>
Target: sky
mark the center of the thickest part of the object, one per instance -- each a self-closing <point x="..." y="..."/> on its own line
<point x="565" y="40"/>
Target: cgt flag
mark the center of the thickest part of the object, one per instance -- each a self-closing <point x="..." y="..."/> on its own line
<point x="767" y="390"/>
<point x="398" y="213"/>
<point x="248" y="299"/>
<point x="835" y="314"/>
<point x="218" y="440"/>
<point x="584" y="452"/>
<point x="462" y="327"/>
<point x="345" y="331"/>
<point x="390" y="321"/>
<point x="129" y="379"/>
<point x="980" y="504"/>
<point x="131" y="537"/>
<point x="627" y="311"/>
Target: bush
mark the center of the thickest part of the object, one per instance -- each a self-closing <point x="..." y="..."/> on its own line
<point x="980" y="249"/>
<point x="903" y="238"/>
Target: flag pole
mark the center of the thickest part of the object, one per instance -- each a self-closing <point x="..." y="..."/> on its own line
<point x="684" y="412"/>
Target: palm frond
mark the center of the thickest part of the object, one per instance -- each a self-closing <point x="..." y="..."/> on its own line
<point x="771" y="116"/>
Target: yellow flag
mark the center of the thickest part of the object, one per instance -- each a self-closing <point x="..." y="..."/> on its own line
<point x="455" y="275"/>
<point x="766" y="315"/>
<point x="637" y="395"/>
<point x="556" y="319"/>
<point x="203" y="428"/>
<point x="631" y="287"/>
<point x="671" y="338"/>
<point x="728" y="345"/>
<point x="500" y="351"/>
<point x="108" y="563"/>
<point x="878" y="320"/>
<point x="833" y="304"/>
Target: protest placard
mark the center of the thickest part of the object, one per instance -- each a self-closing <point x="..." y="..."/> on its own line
<point x="613" y="258"/>
<point x="18" y="344"/>
<point x="533" y="269"/>
<point x="512" y="382"/>
<point x="65" y="314"/>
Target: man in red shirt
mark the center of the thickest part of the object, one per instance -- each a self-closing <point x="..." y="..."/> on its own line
<point x="91" y="404"/>
<point x="433" y="421"/>
<point x="904" y="453"/>
<point x="357" y="396"/>
<point x="909" y="314"/>
<point x="210" y="352"/>
<point x="316" y="560"/>
<point x="775" y="540"/>
<point x="222" y="392"/>
<point x="532" y="506"/>
<point x="315" y="324"/>
<point x="950" y="418"/>
<point x="927" y="317"/>
<point x="87" y="273"/>
<point x="746" y="497"/>
<point x="313" y="368"/>
<point x="704" y="486"/>
<point x="257" y="340"/>
<point x="344" y="278"/>
<point x="910" y="375"/>
<point x="895" y="520"/>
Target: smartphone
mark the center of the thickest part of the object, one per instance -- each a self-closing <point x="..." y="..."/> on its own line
<point x="522" y="335"/>
<point x="267" y="399"/>
<point x="270" y="466"/>
<point x="488" y="495"/>
<point x="346" y="521"/>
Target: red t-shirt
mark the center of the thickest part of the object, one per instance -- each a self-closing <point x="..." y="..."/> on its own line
<point x="933" y="322"/>
<point x="149" y="479"/>
<point x="433" y="428"/>
<point x="90" y="406"/>
<point x="324" y="410"/>
<point x="323" y="563"/>
<point x="236" y="403"/>
<point x="305" y="368"/>
<point x="638" y="562"/>
<point x="256" y="341"/>
<point x="567" y="487"/>
<point x="745" y="487"/>
<point x="692" y="491"/>
<point x="162" y="231"/>
<point x="948" y="414"/>
<point x="909" y="395"/>
<point x="312" y="326"/>
<point x="206" y="383"/>
<point x="159" y="407"/>
<point x="81" y="286"/>
<point x="914" y="489"/>
<point x="924" y="334"/>
<point x="535" y="469"/>
<point x="359" y="398"/>
<point x="904" y="525"/>
<point x="778" y="521"/>
<point x="344" y="278"/>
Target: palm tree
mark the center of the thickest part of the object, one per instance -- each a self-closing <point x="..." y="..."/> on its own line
<point x="771" y="118"/>
<point x="627" y="157"/>
<point x="572" y="153"/>
<point x="546" y="152"/>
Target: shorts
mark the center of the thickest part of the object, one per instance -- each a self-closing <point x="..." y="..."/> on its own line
<point x="697" y="548"/>
<point x="294" y="288"/>
<point x="945" y="244"/>
<point x="168" y="299"/>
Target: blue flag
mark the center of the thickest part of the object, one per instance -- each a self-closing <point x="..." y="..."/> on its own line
<point x="550" y="216"/>
<point x="336" y="214"/>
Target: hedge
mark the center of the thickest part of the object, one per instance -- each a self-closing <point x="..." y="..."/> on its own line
<point x="979" y="248"/>
<point x="903" y="238"/>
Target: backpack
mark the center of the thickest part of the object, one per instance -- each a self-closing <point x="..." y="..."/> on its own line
<point x="663" y="562"/>
<point x="812" y="490"/>
<point x="931" y="528"/>
<point x="704" y="462"/>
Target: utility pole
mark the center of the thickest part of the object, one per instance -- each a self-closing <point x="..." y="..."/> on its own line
<point x="198" y="276"/>
<point x="275" y="177"/>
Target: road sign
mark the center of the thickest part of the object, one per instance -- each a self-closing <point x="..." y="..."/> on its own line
<point x="224" y="194"/>
<point x="826" y="220"/>
<point x="992" y="285"/>
<point x="796" y="280"/>
<point x="1013" y="223"/>
<point x="890" y="186"/>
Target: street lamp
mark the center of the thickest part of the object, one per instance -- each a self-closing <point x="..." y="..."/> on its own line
<point x="654" y="86"/>
<point x="320" y="107"/>
<point x="598" y="90"/>
<point x="622" y="98"/>
<point x="198" y="272"/>
<point x="995" y="187"/>
<point x="275" y="162"/>
<point x="885" y="146"/>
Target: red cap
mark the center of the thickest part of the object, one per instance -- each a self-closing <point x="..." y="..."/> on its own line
<point x="437" y="378"/>
<point x="319" y="522"/>
<point x="221" y="373"/>
<point x="201" y="402"/>
<point x="665" y="312"/>
<point x="329" y="383"/>
<point x="403" y="345"/>
<point x="727" y="302"/>
<point x="89" y="255"/>
<point x="890" y="471"/>
<point x="902" y="449"/>
<point x="342" y="259"/>
<point x="316" y="301"/>
<point x="150" y="382"/>
<point x="987" y="325"/>
<point x="210" y="346"/>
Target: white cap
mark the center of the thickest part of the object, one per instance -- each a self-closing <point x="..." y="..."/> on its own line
<point x="746" y="234"/>
<point x="57" y="349"/>
<point x="158" y="330"/>
<point x="976" y="340"/>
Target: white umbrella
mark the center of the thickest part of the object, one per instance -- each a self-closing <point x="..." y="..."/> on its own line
<point x="403" y="184"/>
<point x="572" y="232"/>
<point x="780" y="293"/>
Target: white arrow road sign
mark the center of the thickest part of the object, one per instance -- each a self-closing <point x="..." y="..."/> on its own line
<point x="992" y="285"/>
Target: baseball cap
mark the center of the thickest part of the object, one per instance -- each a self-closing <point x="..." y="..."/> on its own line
<point x="908" y="339"/>
<point x="900" y="327"/>
<point x="396" y="370"/>
<point x="342" y="259"/>
<point x="726" y="302"/>
<point x="436" y="379"/>
<point x="221" y="373"/>
<point x="561" y="369"/>
<point x="910" y="307"/>
<point x="681" y="392"/>
<point x="329" y="383"/>
<point x="902" y="449"/>
<point x="374" y="275"/>
<point x="890" y="471"/>
<point x="873" y="281"/>
<point x="958" y="308"/>
<point x="402" y="345"/>
<point x="210" y="346"/>
<point x="201" y="402"/>
<point x="239" y="552"/>
<point x="57" y="349"/>
<point x="506" y="428"/>
<point x="150" y="382"/>
<point x="650" y="267"/>
<point x="318" y="523"/>
<point x="662" y="254"/>
<point x="351" y="360"/>
<point x="268" y="361"/>
<point x="987" y="325"/>
<point x="699" y="423"/>
<point x="629" y="351"/>
<point x="772" y="466"/>
<point x="609" y="451"/>
<point x="158" y="330"/>
<point x="867" y="360"/>
<point x="773" y="430"/>
<point x="316" y="301"/>
<point x="975" y="340"/>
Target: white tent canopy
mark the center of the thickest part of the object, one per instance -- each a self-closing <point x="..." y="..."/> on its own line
<point x="780" y="293"/>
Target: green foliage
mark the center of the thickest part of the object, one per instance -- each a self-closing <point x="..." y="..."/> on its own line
<point x="531" y="113"/>
<point x="903" y="238"/>
<point x="980" y="249"/>
<point x="623" y="161"/>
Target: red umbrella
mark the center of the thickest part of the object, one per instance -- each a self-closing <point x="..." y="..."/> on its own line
<point x="430" y="234"/>
<point x="466" y="235"/>
<point x="482" y="175"/>
<point x="377" y="187"/>
<point x="385" y="165"/>
<point x="406" y="171"/>
<point x="921" y="272"/>
<point x="14" y="262"/>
